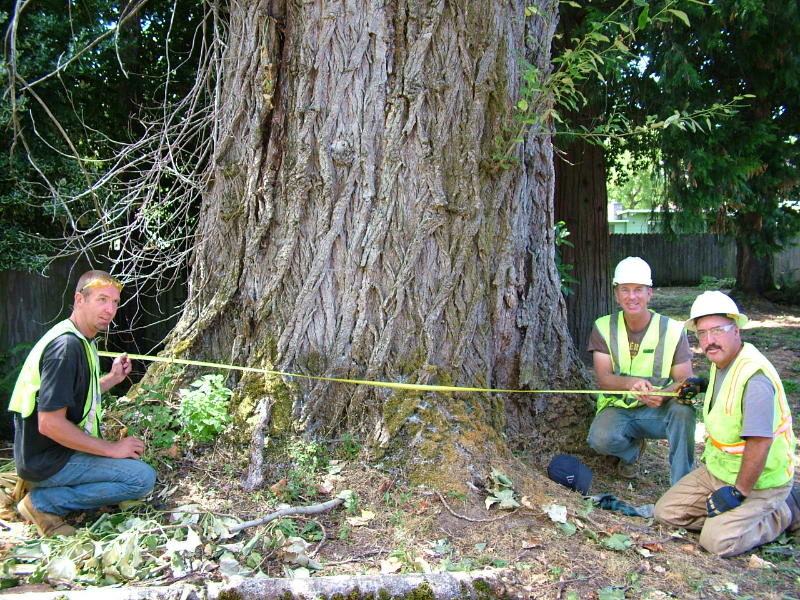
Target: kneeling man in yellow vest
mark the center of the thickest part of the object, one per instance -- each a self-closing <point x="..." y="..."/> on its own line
<point x="57" y="410"/>
<point x="743" y="496"/>
<point x="645" y="353"/>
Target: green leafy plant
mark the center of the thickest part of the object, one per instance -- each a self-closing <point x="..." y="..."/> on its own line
<point x="618" y="542"/>
<point x="546" y="93"/>
<point x="204" y="408"/>
<point x="151" y="416"/>
<point x="502" y="492"/>
<point x="350" y="446"/>
<point x="10" y="366"/>
<point x="791" y="386"/>
<point x="709" y="282"/>
<point x="564" y="275"/>
<point x="308" y="459"/>
<point x="288" y="527"/>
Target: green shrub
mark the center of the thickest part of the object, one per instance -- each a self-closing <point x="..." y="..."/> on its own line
<point x="709" y="282"/>
<point x="204" y="408"/>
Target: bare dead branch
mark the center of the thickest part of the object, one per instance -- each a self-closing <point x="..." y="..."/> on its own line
<point x="292" y="510"/>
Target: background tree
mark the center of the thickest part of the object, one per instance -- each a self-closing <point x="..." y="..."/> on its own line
<point x="80" y="79"/>
<point x="727" y="177"/>
<point x="354" y="223"/>
<point x="593" y="121"/>
<point x="737" y="177"/>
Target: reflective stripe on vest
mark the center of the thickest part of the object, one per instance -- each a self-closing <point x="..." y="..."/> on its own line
<point x="26" y="390"/>
<point x="661" y="338"/>
<point x="724" y="419"/>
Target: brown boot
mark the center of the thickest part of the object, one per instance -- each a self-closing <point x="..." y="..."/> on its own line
<point x="631" y="470"/>
<point x="48" y="525"/>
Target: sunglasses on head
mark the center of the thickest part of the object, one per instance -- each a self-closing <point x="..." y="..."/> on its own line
<point x="104" y="282"/>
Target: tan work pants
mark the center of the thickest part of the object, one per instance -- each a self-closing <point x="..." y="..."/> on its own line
<point x="761" y="518"/>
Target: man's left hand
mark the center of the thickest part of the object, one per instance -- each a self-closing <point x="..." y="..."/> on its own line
<point x="690" y="388"/>
<point x="724" y="499"/>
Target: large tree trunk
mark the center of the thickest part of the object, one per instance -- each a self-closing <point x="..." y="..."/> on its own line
<point x="753" y="272"/>
<point x="581" y="201"/>
<point x="354" y="226"/>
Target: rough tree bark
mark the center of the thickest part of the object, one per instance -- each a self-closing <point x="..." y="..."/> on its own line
<point x="354" y="225"/>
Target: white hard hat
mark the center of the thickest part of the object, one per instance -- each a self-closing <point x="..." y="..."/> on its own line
<point x="632" y="270"/>
<point x="715" y="303"/>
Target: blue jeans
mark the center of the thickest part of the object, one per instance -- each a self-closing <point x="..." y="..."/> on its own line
<point x="88" y="481"/>
<point x="617" y="431"/>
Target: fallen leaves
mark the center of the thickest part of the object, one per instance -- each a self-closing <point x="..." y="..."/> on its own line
<point x="756" y="562"/>
<point x="364" y="519"/>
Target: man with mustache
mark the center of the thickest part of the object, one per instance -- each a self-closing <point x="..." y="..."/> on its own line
<point x="642" y="352"/>
<point x="57" y="411"/>
<point x="743" y="496"/>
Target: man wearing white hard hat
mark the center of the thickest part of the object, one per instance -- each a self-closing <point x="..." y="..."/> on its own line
<point x="743" y="495"/>
<point x="642" y="352"/>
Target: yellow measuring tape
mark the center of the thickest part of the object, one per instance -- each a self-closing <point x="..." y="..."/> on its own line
<point x="387" y="384"/>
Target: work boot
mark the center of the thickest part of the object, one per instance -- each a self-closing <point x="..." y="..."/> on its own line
<point x="793" y="502"/>
<point x="47" y="524"/>
<point x="631" y="470"/>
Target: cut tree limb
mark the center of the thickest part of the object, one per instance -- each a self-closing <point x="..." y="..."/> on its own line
<point x="477" y="584"/>
<point x="292" y="510"/>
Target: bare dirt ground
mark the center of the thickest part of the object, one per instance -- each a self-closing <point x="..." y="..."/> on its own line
<point x="597" y="554"/>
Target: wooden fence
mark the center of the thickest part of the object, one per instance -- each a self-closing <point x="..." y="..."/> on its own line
<point x="30" y="304"/>
<point x="685" y="261"/>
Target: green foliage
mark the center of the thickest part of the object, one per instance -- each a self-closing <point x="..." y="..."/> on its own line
<point x="561" y="233"/>
<point x="791" y="386"/>
<point x="709" y="282"/>
<point x="154" y="417"/>
<point x="10" y="365"/>
<point x="634" y="181"/>
<point x="288" y="527"/>
<point x="788" y="291"/>
<point x="308" y="459"/>
<point x="21" y="250"/>
<point x="204" y="408"/>
<point x="617" y="542"/>
<point x="350" y="446"/>
<point x="151" y="418"/>
<point x="72" y="91"/>
<point x="611" y="593"/>
<point x="502" y="492"/>
<point x="131" y="545"/>
<point x="741" y="176"/>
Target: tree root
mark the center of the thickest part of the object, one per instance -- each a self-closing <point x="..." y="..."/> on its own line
<point x="255" y="466"/>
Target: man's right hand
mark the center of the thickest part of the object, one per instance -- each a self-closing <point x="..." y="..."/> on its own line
<point x="645" y="393"/>
<point x="128" y="447"/>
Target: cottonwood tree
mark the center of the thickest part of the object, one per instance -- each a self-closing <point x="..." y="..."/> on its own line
<point x="355" y="223"/>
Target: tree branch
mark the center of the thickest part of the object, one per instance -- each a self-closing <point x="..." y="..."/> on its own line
<point x="285" y="512"/>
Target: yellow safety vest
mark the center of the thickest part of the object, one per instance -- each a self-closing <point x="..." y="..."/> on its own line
<point x="26" y="390"/>
<point x="723" y="417"/>
<point x="653" y="362"/>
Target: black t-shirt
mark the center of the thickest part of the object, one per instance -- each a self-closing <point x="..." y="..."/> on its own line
<point x="65" y="377"/>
